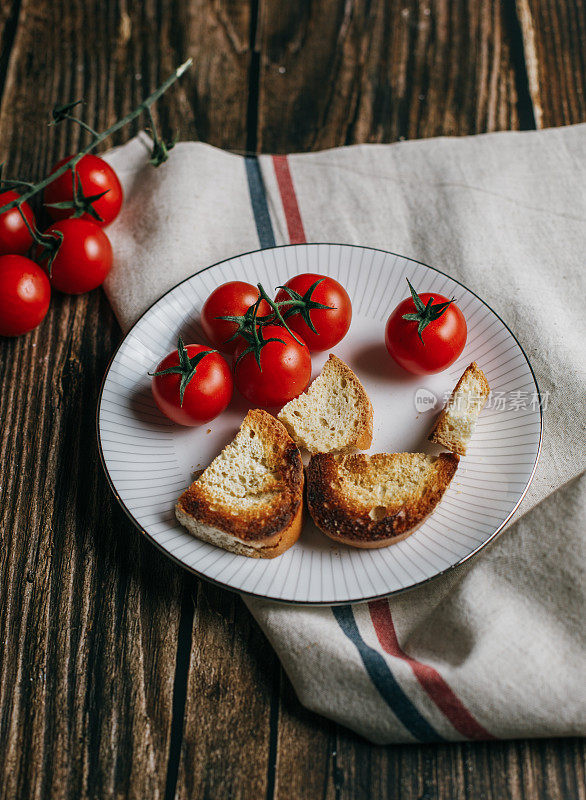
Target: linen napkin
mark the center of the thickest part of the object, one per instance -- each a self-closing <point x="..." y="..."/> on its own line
<point x="496" y="647"/>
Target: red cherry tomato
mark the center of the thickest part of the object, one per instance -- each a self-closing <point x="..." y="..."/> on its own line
<point x="15" y="238"/>
<point x="95" y="176"/>
<point x="84" y="257"/>
<point x="207" y="394"/>
<point x="286" y="369"/>
<point x="25" y="293"/>
<point x="231" y="299"/>
<point x="332" y="324"/>
<point x="443" y="338"/>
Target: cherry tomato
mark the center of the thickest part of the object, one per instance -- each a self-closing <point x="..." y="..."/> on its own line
<point x="95" y="176"/>
<point x="442" y="339"/>
<point x="207" y="394"/>
<point x="286" y="369"/>
<point x="331" y="324"/>
<point x="15" y="238"/>
<point x="25" y="293"/>
<point x="84" y="257"/>
<point x="230" y="299"/>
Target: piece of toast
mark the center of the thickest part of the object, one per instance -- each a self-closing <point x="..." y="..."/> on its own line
<point x="455" y="425"/>
<point x="374" y="501"/>
<point x="250" y="499"/>
<point x="334" y="415"/>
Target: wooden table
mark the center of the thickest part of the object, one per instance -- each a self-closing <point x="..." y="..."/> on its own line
<point x="121" y="675"/>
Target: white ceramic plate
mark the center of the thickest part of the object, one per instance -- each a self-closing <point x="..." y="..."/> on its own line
<point x="149" y="461"/>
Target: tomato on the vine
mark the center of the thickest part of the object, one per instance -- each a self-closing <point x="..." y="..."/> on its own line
<point x="192" y="384"/>
<point x="15" y="238"/>
<point x="24" y="295"/>
<point x="232" y="299"/>
<point x="94" y="176"/>
<point x="331" y="324"/>
<point x="285" y="368"/>
<point x="83" y="259"/>
<point x="425" y="333"/>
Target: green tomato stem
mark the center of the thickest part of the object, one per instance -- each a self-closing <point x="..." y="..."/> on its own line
<point x="144" y="106"/>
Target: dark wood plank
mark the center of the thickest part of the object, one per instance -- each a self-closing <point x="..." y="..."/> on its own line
<point x="337" y="73"/>
<point x="227" y="727"/>
<point x="214" y="94"/>
<point x="493" y="771"/>
<point x="306" y="765"/>
<point x="554" y="40"/>
<point x="90" y="614"/>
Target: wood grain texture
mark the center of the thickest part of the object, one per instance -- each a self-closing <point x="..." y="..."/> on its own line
<point x="89" y="612"/>
<point x="306" y="765"/>
<point x="119" y="675"/>
<point x="227" y="725"/>
<point x="335" y="73"/>
<point x="554" y="40"/>
<point x="491" y="771"/>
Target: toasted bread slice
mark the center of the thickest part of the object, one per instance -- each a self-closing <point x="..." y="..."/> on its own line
<point x="373" y="501"/>
<point x="250" y="498"/>
<point x="334" y="415"/>
<point x="455" y="425"/>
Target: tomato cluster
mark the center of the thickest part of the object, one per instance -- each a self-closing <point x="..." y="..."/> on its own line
<point x="76" y="254"/>
<point x="269" y="341"/>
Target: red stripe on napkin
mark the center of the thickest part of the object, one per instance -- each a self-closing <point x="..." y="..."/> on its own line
<point x="429" y="678"/>
<point x="289" y="200"/>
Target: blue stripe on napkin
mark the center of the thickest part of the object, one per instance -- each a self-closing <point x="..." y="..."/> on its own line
<point x="258" y="200"/>
<point x="385" y="681"/>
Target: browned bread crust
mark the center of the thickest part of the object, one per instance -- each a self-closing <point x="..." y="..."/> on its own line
<point x="280" y="541"/>
<point x="347" y="519"/>
<point x="266" y="530"/>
